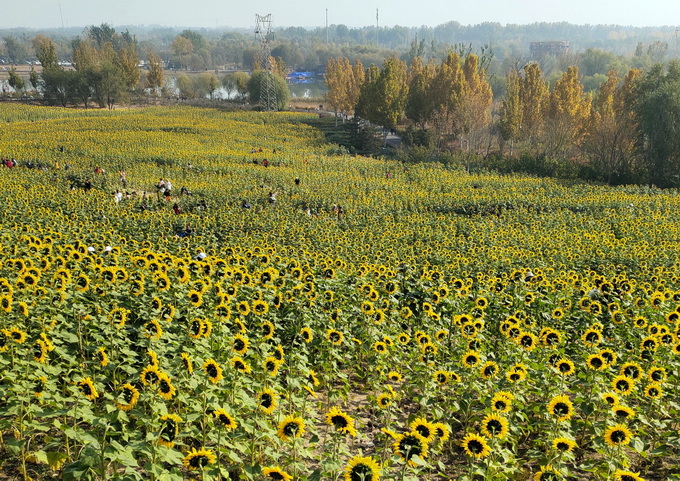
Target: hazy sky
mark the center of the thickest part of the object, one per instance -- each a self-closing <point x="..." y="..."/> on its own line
<point x="353" y="13"/>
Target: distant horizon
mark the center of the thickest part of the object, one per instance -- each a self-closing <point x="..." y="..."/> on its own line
<point x="309" y="14"/>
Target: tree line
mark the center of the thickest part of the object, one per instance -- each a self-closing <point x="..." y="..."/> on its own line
<point x="627" y="131"/>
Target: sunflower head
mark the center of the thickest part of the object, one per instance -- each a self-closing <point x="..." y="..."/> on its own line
<point x="291" y="427"/>
<point x="408" y="445"/>
<point x="362" y="468"/>
<point x="475" y="446"/>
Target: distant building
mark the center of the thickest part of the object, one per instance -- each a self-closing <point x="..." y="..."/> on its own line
<point x="555" y="47"/>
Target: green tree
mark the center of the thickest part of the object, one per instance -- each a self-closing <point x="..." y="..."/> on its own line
<point x="154" y="79"/>
<point x="533" y="98"/>
<point x="34" y="78"/>
<point x="128" y="61"/>
<point x="610" y="141"/>
<point x="208" y="83"/>
<point x="229" y="84"/>
<point x="475" y="109"/>
<point x="15" y="80"/>
<point x="182" y="47"/>
<point x="187" y="87"/>
<point x="511" y="110"/>
<point x="567" y="115"/>
<point x="46" y="51"/>
<point x="419" y="106"/>
<point x="57" y="86"/>
<point x="16" y="50"/>
<point x="254" y="88"/>
<point x="241" y="79"/>
<point x="447" y="91"/>
<point x="657" y="107"/>
<point x="385" y="97"/>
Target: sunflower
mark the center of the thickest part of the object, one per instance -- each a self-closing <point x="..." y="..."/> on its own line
<point x="592" y="338"/>
<point x="195" y="298"/>
<point x="241" y="344"/>
<point x="335" y="337"/>
<point x="268" y="400"/>
<point x="165" y="387"/>
<point x="471" y="359"/>
<point x="187" y="362"/>
<point x="307" y="334"/>
<point x="441" y="431"/>
<point x="596" y="362"/>
<point x="528" y="341"/>
<point x="198" y="459"/>
<point x="267" y="329"/>
<point x="225" y="419"/>
<point x="362" y="468"/>
<point x="547" y="473"/>
<point x="213" y="370"/>
<point x="653" y="390"/>
<point x="475" y="446"/>
<point x="501" y="403"/>
<point x="40" y="386"/>
<point x="128" y="397"/>
<point x="196" y="328"/>
<point x="617" y="435"/>
<point x="564" y="445"/>
<point x="150" y="375"/>
<point x="403" y="339"/>
<point x="206" y="328"/>
<point x="87" y="388"/>
<point x="561" y="407"/>
<point x="271" y="366"/>
<point x="489" y="370"/>
<point x="243" y="308"/>
<point x="384" y="400"/>
<point x="622" y="475"/>
<point x="622" y="385"/>
<point x="380" y="347"/>
<point x="311" y="377"/>
<point x="240" y="365"/>
<point x="632" y="370"/>
<point x="17" y="335"/>
<point x="408" y="445"/>
<point x="169" y="429"/>
<point x="441" y="377"/>
<point x="276" y="473"/>
<point x="622" y="412"/>
<point x="341" y="421"/>
<point x="565" y="367"/>
<point x="494" y="425"/>
<point x="291" y="427"/>
<point x="425" y="428"/>
<point x="609" y="356"/>
<point x="39" y="350"/>
<point x="610" y="398"/>
<point x="515" y="375"/>
<point x="153" y="357"/>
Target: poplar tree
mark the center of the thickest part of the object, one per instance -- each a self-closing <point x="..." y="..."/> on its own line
<point x="533" y="94"/>
<point x="567" y="113"/>
<point x="610" y="142"/>
<point x="511" y="110"/>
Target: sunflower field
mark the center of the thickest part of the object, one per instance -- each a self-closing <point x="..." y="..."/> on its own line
<point x="319" y="316"/>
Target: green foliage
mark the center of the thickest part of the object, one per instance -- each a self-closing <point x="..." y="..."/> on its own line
<point x="255" y="85"/>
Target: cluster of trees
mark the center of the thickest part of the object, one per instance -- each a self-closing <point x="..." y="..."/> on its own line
<point x="627" y="131"/>
<point x="449" y="102"/>
<point x="595" y="49"/>
<point x="105" y="68"/>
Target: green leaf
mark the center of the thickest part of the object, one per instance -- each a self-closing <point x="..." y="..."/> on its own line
<point x="315" y="476"/>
